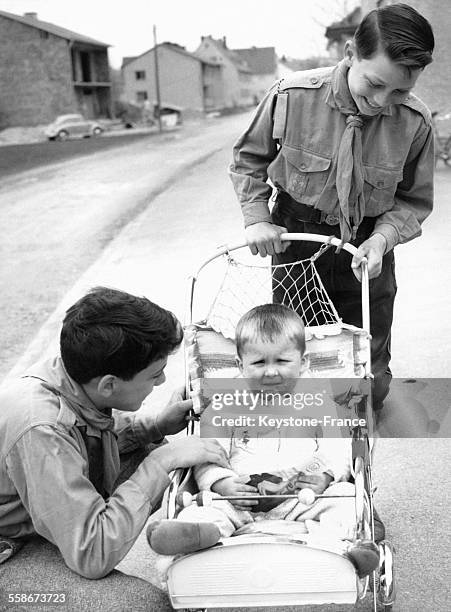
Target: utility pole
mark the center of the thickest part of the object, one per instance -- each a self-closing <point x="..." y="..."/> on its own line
<point x="157" y="78"/>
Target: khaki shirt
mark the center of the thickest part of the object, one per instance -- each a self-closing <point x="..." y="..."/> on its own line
<point x="44" y="477"/>
<point x="293" y="140"/>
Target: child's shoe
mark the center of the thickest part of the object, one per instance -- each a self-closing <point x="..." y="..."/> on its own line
<point x="171" y="537"/>
<point x="364" y="555"/>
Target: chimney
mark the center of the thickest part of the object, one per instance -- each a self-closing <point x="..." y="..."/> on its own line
<point x="224" y="42"/>
<point x="31" y="15"/>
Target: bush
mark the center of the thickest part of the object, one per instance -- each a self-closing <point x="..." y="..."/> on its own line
<point x="129" y="113"/>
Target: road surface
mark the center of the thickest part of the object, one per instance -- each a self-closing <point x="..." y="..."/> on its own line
<point x="56" y="219"/>
<point x="155" y="252"/>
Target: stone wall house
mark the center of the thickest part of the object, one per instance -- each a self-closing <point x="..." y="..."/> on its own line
<point x="236" y="74"/>
<point x="46" y="70"/>
<point x="187" y="83"/>
<point x="262" y="63"/>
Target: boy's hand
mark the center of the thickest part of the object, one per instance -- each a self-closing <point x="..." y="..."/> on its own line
<point x="190" y="451"/>
<point x="373" y="249"/>
<point x="173" y="418"/>
<point x="235" y="485"/>
<point x="264" y="238"/>
<point x="317" y="482"/>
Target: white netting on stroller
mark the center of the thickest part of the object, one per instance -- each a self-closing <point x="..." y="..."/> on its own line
<point x="296" y="285"/>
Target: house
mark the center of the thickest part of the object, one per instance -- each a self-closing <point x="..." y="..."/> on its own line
<point x="46" y="70"/>
<point x="262" y="63"/>
<point x="236" y="74"/>
<point x="187" y="83"/>
<point x="341" y="31"/>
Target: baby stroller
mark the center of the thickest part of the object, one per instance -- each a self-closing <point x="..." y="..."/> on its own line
<point x="261" y="569"/>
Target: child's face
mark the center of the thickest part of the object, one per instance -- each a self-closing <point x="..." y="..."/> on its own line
<point x="271" y="364"/>
<point x="377" y="82"/>
<point x="129" y="394"/>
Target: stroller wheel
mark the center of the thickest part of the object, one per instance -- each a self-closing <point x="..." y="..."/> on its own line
<point x="387" y="587"/>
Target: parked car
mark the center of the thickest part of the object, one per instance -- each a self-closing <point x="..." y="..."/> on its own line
<point x="72" y="126"/>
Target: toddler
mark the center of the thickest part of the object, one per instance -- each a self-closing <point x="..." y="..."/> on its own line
<point x="270" y="344"/>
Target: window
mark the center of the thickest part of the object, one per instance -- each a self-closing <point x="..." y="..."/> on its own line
<point x="85" y="61"/>
<point x="141" y="96"/>
<point x="44" y="35"/>
<point x="140" y="75"/>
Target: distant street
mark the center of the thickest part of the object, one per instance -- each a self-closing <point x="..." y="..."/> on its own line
<point x="20" y="158"/>
<point x="56" y="218"/>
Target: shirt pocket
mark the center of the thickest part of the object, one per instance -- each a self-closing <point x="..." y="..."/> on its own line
<point x="304" y="174"/>
<point x="380" y="188"/>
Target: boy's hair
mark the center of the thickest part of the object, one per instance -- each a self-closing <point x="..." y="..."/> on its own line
<point x="112" y="332"/>
<point x="268" y="323"/>
<point x="400" y="32"/>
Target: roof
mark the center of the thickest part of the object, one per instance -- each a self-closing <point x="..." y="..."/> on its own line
<point x="172" y="47"/>
<point x="51" y="28"/>
<point x="127" y="60"/>
<point x="234" y="57"/>
<point x="347" y="26"/>
<point x="260" y="60"/>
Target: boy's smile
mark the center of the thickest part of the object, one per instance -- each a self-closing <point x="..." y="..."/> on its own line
<point x="377" y="82"/>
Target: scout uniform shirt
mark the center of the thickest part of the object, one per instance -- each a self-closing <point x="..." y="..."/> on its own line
<point x="45" y="484"/>
<point x="294" y="139"/>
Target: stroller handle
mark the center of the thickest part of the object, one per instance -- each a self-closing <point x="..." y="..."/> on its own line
<point x="332" y="240"/>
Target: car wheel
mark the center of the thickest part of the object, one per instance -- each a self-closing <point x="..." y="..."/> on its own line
<point x="62" y="135"/>
<point x="97" y="131"/>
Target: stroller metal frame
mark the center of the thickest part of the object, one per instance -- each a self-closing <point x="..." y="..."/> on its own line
<point x="381" y="582"/>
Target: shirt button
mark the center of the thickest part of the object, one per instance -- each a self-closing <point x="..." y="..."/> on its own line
<point x="303" y="166"/>
<point x="313" y="467"/>
<point x="313" y="80"/>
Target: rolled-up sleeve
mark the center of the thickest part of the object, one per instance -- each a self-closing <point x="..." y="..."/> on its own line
<point x="92" y="534"/>
<point x="135" y="430"/>
<point x="414" y="196"/>
<point x="252" y="154"/>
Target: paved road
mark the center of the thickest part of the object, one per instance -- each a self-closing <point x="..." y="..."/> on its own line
<point x="155" y="253"/>
<point x="56" y="219"/>
<point x="20" y="158"/>
<point x="414" y="485"/>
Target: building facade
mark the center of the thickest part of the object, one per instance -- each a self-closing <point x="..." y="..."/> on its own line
<point x="340" y="31"/>
<point x="187" y="84"/>
<point x="47" y="71"/>
<point x="236" y="75"/>
<point x="262" y="63"/>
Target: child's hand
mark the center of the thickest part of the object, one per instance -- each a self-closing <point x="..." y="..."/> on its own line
<point x="235" y="485"/>
<point x="317" y="482"/>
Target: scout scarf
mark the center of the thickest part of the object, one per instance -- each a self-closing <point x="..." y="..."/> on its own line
<point x="347" y="170"/>
<point x="95" y="426"/>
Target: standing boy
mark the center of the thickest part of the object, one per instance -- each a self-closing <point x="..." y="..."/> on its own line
<point x="350" y="152"/>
